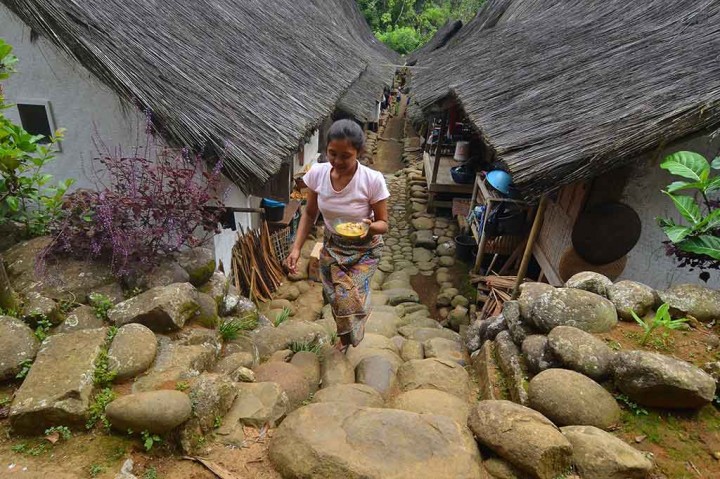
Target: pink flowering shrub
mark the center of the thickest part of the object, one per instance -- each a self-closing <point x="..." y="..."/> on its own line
<point x="147" y="205"/>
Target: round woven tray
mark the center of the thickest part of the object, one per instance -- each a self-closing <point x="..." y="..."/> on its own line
<point x="571" y="263"/>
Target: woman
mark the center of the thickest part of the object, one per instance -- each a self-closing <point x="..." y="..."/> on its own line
<point x="343" y="188"/>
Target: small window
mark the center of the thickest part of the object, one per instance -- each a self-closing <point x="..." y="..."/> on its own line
<point x="36" y="119"/>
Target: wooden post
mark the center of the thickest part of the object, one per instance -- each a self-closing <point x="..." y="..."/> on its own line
<point x="537" y="224"/>
<point x="435" y="168"/>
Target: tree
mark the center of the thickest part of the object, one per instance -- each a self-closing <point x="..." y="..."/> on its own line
<point x="405" y="25"/>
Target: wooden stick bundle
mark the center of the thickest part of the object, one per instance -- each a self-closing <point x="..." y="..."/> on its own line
<point x="257" y="270"/>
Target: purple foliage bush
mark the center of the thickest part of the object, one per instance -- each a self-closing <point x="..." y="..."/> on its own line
<point x="149" y="204"/>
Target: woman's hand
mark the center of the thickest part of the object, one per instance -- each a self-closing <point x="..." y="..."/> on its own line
<point x="292" y="260"/>
<point x="368" y="232"/>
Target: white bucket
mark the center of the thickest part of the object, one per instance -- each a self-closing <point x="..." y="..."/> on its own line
<point x="462" y="151"/>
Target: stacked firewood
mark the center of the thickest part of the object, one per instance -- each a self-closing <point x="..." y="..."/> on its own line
<point x="256" y="268"/>
<point x="493" y="291"/>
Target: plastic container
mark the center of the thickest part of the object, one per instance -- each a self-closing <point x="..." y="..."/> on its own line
<point x="462" y="151"/>
<point x="465" y="248"/>
<point x="274" y="210"/>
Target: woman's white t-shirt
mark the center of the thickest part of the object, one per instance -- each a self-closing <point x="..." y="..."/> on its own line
<point x="353" y="202"/>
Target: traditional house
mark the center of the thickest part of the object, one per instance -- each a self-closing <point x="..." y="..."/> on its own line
<point x="254" y="80"/>
<point x="580" y="105"/>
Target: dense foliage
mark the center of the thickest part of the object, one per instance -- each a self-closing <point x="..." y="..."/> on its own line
<point x="147" y="204"/>
<point x="27" y="195"/>
<point x="405" y="25"/>
<point x="697" y="241"/>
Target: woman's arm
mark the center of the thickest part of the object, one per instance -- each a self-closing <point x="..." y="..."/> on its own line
<point x="306" y="223"/>
<point x="380" y="213"/>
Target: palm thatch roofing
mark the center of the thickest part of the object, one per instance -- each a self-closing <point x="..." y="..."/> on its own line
<point x="439" y="40"/>
<point x="250" y="79"/>
<point x="360" y="100"/>
<point x="561" y="98"/>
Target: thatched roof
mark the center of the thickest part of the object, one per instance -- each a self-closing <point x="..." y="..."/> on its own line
<point x="360" y="99"/>
<point x="439" y="40"/>
<point x="250" y="78"/>
<point x="561" y="98"/>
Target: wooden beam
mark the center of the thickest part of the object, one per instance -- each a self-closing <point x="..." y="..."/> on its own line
<point x="537" y="224"/>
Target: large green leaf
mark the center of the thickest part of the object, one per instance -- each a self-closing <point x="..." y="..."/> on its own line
<point x="713" y="184"/>
<point x="705" y="245"/>
<point x="687" y="164"/>
<point x="677" y="233"/>
<point x="687" y="207"/>
<point x="684" y="185"/>
<point x="715" y="165"/>
<point x="710" y="222"/>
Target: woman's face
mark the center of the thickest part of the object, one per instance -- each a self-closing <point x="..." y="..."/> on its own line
<point x="342" y="155"/>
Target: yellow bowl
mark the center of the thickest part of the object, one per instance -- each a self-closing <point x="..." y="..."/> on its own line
<point x="350" y="229"/>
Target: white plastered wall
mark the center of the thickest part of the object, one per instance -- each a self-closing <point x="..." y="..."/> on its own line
<point x="647" y="262"/>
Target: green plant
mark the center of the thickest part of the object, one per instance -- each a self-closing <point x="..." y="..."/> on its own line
<point x="19" y="448"/>
<point x="42" y="331"/>
<point x="103" y="374"/>
<point x="62" y="431"/>
<point x="150" y="440"/>
<point x="231" y="329"/>
<point x="662" y="319"/>
<point x="309" y="346"/>
<point x="614" y="345"/>
<point x="96" y="470"/>
<point x="27" y="195"/>
<point x="5" y="401"/>
<point x="25" y="366"/>
<point x="9" y="312"/>
<point x="282" y="317"/>
<point x="217" y="422"/>
<point x="97" y="408"/>
<point x="630" y="404"/>
<point x="182" y="386"/>
<point x="101" y="304"/>
<point x="150" y="473"/>
<point x="696" y="242"/>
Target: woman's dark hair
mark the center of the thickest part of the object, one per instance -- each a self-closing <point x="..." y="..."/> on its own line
<point x="347" y="130"/>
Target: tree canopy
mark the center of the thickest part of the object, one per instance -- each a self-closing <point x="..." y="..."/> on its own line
<point x="405" y="25"/>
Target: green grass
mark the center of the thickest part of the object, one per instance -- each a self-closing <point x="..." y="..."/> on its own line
<point x="63" y="431"/>
<point x="150" y="473"/>
<point x="309" y="346"/>
<point x="230" y="329"/>
<point x="96" y="470"/>
<point x="97" y="408"/>
<point x="282" y="317"/>
<point x="101" y="304"/>
<point x="631" y="405"/>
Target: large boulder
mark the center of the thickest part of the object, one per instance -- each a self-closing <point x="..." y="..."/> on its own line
<point x="378" y="373"/>
<point x="524" y="437"/>
<point x="60" y="278"/>
<point x="269" y="340"/>
<point x="382" y="323"/>
<point x="440" y="374"/>
<point x="581" y="351"/>
<point x="335" y="369"/>
<point x="157" y="412"/>
<point x="655" y="380"/>
<point x="401" y="295"/>
<point x="258" y="404"/>
<point x="600" y="455"/>
<point x="568" y="398"/>
<point x="161" y="309"/>
<point x="590" y="281"/>
<point x="132" y="351"/>
<point x="538" y="356"/>
<point x="290" y="378"/>
<point x="519" y="329"/>
<point x="529" y="293"/>
<point x="331" y="440"/>
<point x="176" y="362"/>
<point x="199" y="263"/>
<point x="629" y="297"/>
<point x="697" y="301"/>
<point x="445" y="349"/>
<point x="355" y="394"/>
<point x="309" y="363"/>
<point x="57" y="390"/>
<point x="212" y="396"/>
<point x="431" y="401"/>
<point x="17" y="345"/>
<point x="82" y="317"/>
<point x="423" y="334"/>
<point x="374" y="345"/>
<point x="573" y="307"/>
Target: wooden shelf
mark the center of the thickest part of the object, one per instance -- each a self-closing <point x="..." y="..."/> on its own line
<point x="444" y="182"/>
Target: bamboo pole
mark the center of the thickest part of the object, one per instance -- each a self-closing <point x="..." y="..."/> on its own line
<point x="537" y="224"/>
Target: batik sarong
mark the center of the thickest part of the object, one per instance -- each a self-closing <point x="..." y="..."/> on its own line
<point x="346" y="267"/>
